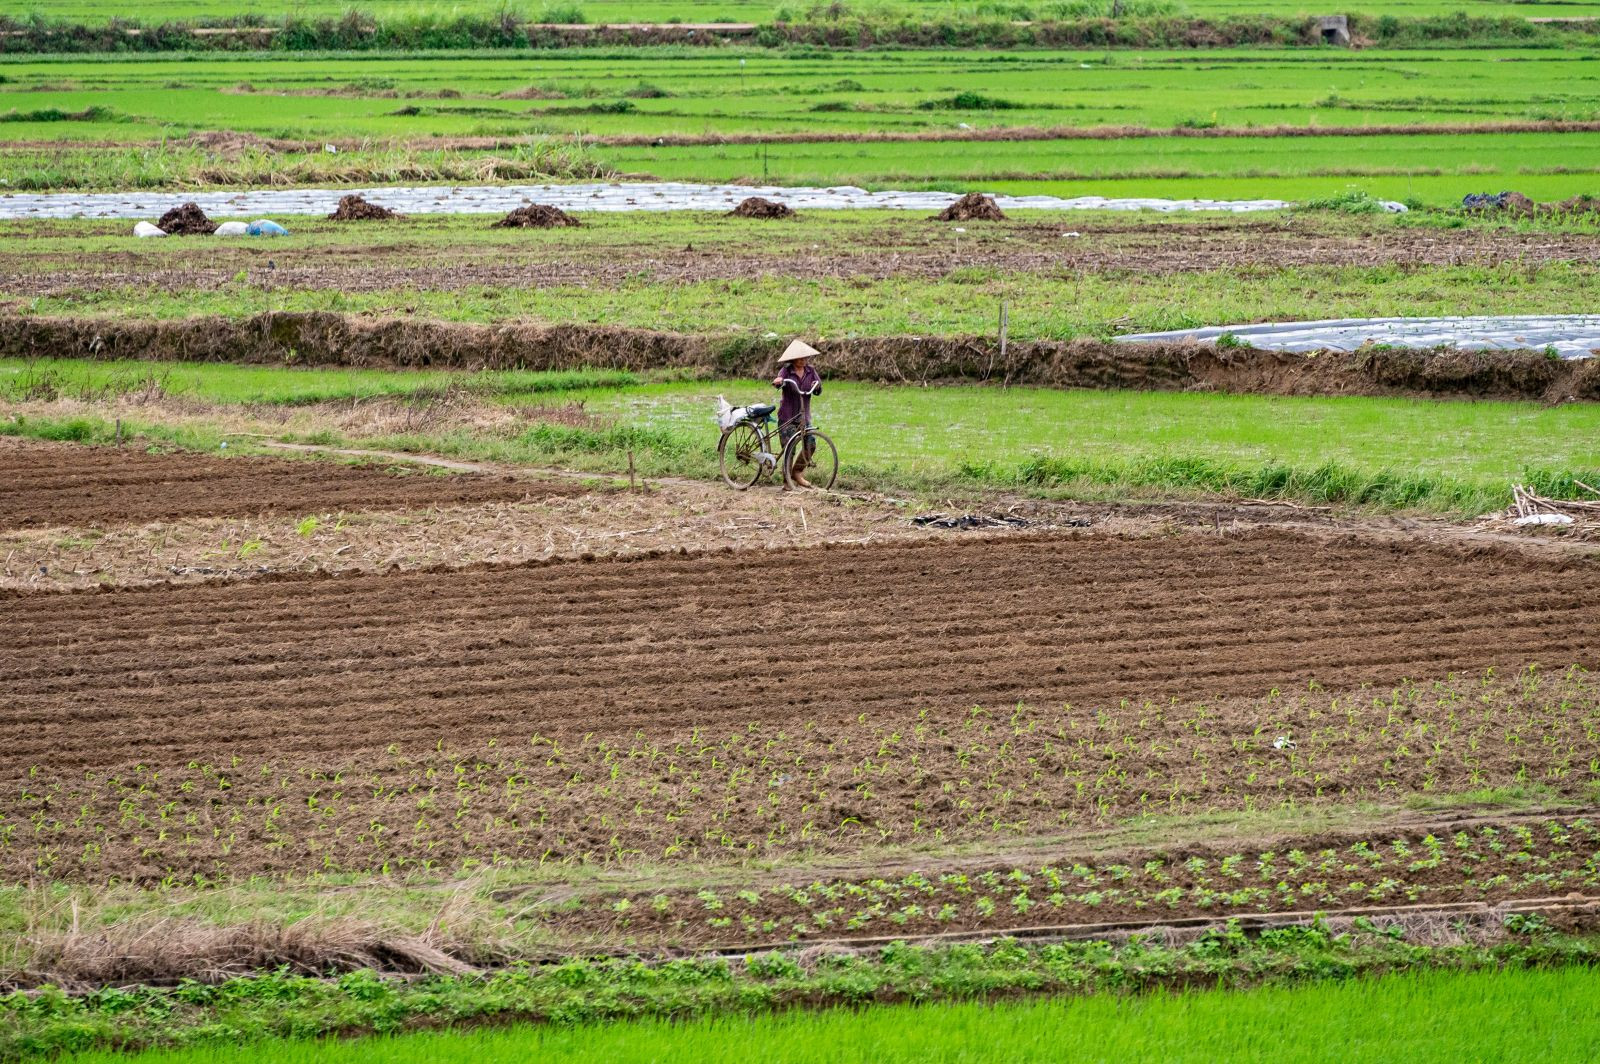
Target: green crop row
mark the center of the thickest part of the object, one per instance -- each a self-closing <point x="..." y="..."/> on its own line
<point x="764" y="792"/>
<point x="1541" y="859"/>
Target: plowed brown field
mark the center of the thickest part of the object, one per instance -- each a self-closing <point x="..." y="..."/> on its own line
<point x="679" y="705"/>
<point x="338" y="665"/>
<point x="45" y="486"/>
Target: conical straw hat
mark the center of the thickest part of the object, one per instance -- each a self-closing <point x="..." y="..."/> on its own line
<point x="798" y="349"/>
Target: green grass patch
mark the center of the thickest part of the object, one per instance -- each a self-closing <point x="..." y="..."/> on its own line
<point x="1445" y="456"/>
<point x="692" y="1009"/>
<point x="72" y="379"/>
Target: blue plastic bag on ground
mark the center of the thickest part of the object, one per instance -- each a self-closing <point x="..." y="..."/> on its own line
<point x="266" y="227"/>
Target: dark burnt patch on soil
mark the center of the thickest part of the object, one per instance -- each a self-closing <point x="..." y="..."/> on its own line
<point x="68" y="485"/>
<point x="760" y="207"/>
<point x="187" y="220"/>
<point x="537" y="216"/>
<point x="355" y="208"/>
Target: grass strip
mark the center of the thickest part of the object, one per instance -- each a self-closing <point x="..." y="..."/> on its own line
<point x="715" y="995"/>
<point x="1451" y="457"/>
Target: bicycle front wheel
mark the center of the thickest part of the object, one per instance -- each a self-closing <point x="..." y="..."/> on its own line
<point x="739" y="451"/>
<point x="821" y="464"/>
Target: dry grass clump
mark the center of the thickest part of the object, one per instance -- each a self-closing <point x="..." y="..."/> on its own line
<point x="760" y="207"/>
<point x="356" y="208"/>
<point x="187" y="220"/>
<point x="165" y="949"/>
<point x="973" y="207"/>
<point x="536" y="216"/>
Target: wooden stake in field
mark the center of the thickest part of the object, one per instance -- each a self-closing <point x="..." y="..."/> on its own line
<point x="1005" y="326"/>
<point x="630" y="471"/>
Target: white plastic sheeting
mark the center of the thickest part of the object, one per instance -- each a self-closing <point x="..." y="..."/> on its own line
<point x="1570" y="335"/>
<point x="609" y="196"/>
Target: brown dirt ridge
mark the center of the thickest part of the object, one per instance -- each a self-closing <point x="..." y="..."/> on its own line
<point x="536" y="778"/>
<point x="46" y="486"/>
<point x="323" y="338"/>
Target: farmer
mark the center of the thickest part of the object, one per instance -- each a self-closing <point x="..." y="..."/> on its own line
<point x="799" y="381"/>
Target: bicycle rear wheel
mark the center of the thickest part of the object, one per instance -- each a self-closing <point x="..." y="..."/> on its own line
<point x="821" y="467"/>
<point x="739" y="451"/>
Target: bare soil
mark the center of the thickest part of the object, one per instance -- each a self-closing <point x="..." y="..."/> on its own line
<point x="491" y="746"/>
<point x="54" y="486"/>
<point x="659" y="640"/>
<point x="226" y="142"/>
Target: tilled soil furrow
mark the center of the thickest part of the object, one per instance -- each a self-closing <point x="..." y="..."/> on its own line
<point x="283" y="616"/>
<point x="627" y="584"/>
<point x="581" y="643"/>
<point x="68" y="485"/>
<point x="326" y="664"/>
<point x="701" y="690"/>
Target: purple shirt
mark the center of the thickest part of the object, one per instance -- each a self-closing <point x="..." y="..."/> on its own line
<point x="798" y="388"/>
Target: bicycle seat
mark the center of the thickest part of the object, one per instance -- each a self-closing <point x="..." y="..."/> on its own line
<point x="756" y="413"/>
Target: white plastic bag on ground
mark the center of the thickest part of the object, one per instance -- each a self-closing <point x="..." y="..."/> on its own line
<point x="1544" y="519"/>
<point x="232" y="229"/>
<point x="146" y="229"/>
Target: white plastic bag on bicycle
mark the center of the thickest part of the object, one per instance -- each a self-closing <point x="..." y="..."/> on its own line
<point x="728" y="416"/>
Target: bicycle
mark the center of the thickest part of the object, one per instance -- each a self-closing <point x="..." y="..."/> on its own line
<point x="747" y="454"/>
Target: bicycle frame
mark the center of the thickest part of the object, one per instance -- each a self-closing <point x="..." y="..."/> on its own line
<point x="767" y="430"/>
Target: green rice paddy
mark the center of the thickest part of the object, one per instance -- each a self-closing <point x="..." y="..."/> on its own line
<point x="1440" y="1017"/>
<point x="601" y="95"/>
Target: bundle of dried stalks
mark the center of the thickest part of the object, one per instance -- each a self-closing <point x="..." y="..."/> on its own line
<point x="1526" y="503"/>
<point x="160" y="950"/>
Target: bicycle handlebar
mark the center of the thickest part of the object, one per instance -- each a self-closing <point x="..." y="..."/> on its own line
<point x="785" y="382"/>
